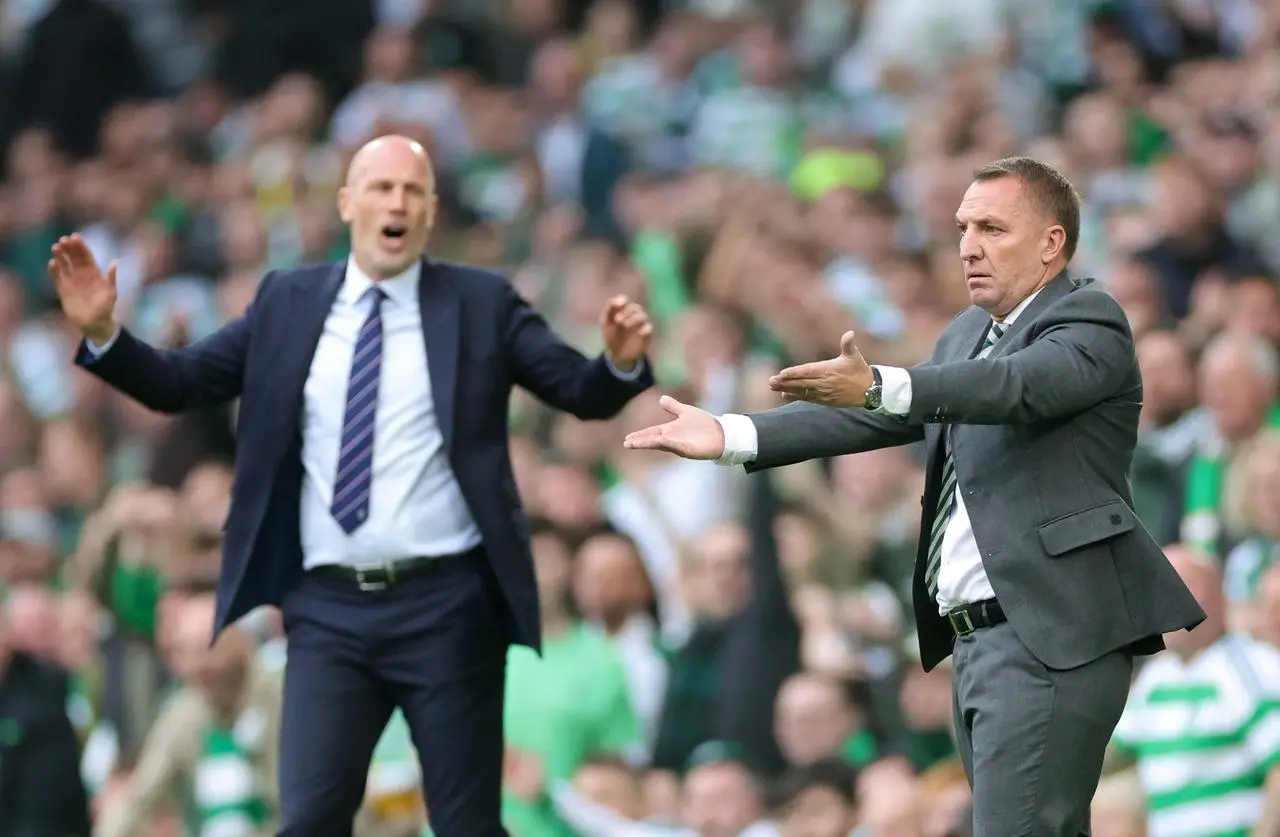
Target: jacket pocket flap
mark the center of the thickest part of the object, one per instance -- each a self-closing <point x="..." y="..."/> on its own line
<point x="1087" y="526"/>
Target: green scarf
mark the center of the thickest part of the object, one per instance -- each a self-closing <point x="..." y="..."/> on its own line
<point x="1201" y="507"/>
<point x="226" y="798"/>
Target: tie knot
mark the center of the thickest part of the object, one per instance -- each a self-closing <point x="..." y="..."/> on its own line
<point x="377" y="294"/>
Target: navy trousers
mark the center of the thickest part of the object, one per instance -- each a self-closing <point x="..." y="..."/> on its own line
<point x="436" y="647"/>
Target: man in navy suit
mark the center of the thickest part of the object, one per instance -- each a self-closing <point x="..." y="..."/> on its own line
<point x="374" y="498"/>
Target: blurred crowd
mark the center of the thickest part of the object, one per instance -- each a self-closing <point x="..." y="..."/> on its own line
<point x="725" y="654"/>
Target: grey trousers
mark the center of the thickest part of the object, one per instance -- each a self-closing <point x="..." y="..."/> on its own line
<point x="1032" y="738"/>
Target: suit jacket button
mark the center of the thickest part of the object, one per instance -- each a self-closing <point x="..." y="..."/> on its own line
<point x="1116" y="519"/>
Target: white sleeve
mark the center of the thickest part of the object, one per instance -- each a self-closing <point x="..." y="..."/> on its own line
<point x="98" y="351"/>
<point x="895" y="390"/>
<point x="740" y="442"/>
<point x="631" y="375"/>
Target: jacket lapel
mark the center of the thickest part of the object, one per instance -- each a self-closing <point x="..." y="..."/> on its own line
<point x="439" y="302"/>
<point x="309" y="306"/>
<point x="975" y="328"/>
<point x="1058" y="287"/>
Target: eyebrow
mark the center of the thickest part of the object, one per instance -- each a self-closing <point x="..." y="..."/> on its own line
<point x="387" y="181"/>
<point x="983" y="220"/>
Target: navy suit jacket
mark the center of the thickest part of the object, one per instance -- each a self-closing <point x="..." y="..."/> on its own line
<point x="482" y="338"/>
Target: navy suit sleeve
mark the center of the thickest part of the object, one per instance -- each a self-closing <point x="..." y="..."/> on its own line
<point x="559" y="374"/>
<point x="203" y="374"/>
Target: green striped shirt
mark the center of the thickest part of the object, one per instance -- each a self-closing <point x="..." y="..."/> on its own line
<point x="1205" y="733"/>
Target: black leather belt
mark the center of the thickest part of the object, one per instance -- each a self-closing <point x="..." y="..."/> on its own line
<point x="373" y="577"/>
<point x="985" y="614"/>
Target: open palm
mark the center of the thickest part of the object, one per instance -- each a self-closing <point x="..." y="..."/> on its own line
<point x="692" y="434"/>
<point x="88" y="296"/>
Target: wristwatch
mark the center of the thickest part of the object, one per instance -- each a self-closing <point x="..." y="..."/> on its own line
<point x="872" y="398"/>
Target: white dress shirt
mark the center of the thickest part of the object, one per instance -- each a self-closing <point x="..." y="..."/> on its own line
<point x="416" y="506"/>
<point x="962" y="579"/>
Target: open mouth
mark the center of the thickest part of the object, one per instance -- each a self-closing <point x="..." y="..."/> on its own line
<point x="393" y="237"/>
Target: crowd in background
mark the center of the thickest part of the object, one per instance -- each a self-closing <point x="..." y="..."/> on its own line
<point x="725" y="654"/>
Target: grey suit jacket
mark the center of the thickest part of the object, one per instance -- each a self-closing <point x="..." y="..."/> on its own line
<point x="1043" y="433"/>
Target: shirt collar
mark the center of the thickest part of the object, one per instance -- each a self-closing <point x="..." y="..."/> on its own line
<point x="401" y="289"/>
<point x="1018" y="309"/>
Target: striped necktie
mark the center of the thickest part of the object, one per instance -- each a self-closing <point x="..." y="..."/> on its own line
<point x="354" y="481"/>
<point x="947" y="491"/>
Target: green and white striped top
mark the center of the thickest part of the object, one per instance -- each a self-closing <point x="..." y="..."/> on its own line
<point x="1205" y="733"/>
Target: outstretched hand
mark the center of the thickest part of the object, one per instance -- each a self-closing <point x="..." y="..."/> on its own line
<point x="842" y="381"/>
<point x="88" y="296"/>
<point x="692" y="433"/>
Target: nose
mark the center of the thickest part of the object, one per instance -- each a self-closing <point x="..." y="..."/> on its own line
<point x="969" y="249"/>
<point x="399" y="200"/>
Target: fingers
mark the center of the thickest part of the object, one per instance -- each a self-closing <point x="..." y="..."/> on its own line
<point x="672" y="406"/>
<point x="79" y="252"/>
<point x="629" y="316"/>
<point x="647" y="439"/>
<point x="111" y="275"/>
<point x="798" y="390"/>
<point x="614" y="306"/>
<point x="804" y="373"/>
<point x="65" y="266"/>
<point x="63" y="255"/>
<point x="793" y="383"/>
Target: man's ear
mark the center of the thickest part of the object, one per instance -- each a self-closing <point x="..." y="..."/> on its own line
<point x="432" y="205"/>
<point x="344" y="204"/>
<point x="1055" y="241"/>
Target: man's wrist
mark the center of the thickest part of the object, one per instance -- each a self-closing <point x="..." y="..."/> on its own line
<point x="739" y="439"/>
<point x="873" y="391"/>
<point x="623" y="365"/>
<point x="100" y="335"/>
<point x="627" y="372"/>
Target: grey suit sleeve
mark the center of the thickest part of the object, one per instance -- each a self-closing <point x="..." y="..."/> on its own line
<point x="801" y="431"/>
<point x="1081" y="355"/>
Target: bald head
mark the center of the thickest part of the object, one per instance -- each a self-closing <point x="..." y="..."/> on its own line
<point x="394" y="150"/>
<point x="389" y="201"/>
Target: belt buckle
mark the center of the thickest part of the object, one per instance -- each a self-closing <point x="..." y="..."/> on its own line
<point x="372" y="586"/>
<point x="962" y="622"/>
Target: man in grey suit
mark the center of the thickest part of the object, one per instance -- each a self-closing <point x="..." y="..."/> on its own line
<point x="1032" y="569"/>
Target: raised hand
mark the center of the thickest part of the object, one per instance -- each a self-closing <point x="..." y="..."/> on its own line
<point x="841" y="381"/>
<point x="88" y="295"/>
<point x="627" y="330"/>
<point x="692" y="434"/>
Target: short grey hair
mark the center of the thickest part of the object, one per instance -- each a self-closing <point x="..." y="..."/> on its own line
<point x="1265" y="358"/>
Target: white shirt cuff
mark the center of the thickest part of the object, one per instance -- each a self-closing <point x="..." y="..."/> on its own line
<point x="740" y="440"/>
<point x="895" y="390"/>
<point x="634" y="374"/>
<point x="99" y="350"/>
